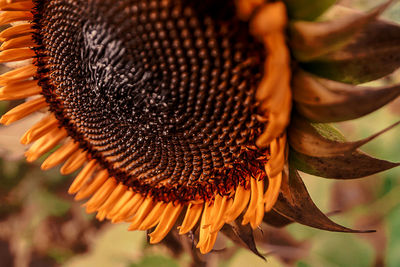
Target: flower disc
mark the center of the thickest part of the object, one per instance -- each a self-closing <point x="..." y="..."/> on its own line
<point x="160" y="93"/>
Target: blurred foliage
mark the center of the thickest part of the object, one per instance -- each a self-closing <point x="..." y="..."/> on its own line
<point x="41" y="225"/>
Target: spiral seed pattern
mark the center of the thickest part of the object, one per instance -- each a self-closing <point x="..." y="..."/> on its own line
<point x="160" y="92"/>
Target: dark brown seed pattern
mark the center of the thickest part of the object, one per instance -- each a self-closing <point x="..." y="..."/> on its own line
<point x="160" y="92"/>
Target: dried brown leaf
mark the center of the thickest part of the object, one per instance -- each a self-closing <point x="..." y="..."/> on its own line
<point x="348" y="166"/>
<point x="323" y="100"/>
<point x="372" y="54"/>
<point x="295" y="203"/>
<point x="241" y="235"/>
<point x="273" y="218"/>
<point x="322" y="140"/>
<point x="310" y="40"/>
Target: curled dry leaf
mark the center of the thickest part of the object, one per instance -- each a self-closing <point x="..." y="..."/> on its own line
<point x="348" y="166"/>
<point x="295" y="203"/>
<point x="323" y="140"/>
<point x="372" y="54"/>
<point x="323" y="100"/>
<point x="273" y="218"/>
<point x="242" y="235"/>
<point x="310" y="40"/>
<point x="281" y="244"/>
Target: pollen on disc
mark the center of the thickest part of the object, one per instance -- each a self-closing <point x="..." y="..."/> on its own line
<point x="160" y="93"/>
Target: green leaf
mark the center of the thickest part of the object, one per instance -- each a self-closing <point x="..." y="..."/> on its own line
<point x="348" y="166"/>
<point x="322" y="140"/>
<point x="372" y="54"/>
<point x="309" y="40"/>
<point x="307" y="9"/>
<point x="323" y="100"/>
<point x="295" y="203"/>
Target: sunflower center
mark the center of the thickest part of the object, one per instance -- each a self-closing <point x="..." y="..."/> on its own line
<point x="160" y="92"/>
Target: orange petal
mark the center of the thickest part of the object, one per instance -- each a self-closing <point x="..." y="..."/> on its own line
<point x="16" y="54"/>
<point x="208" y="246"/>
<point x="277" y="160"/>
<point x="74" y="162"/>
<point x="167" y="221"/>
<point x="60" y="155"/>
<point x="256" y="200"/>
<point x="125" y="198"/>
<point x="12" y="16"/>
<point x="129" y="209"/>
<point x="23" y="110"/>
<point x="192" y="216"/>
<point x="17" y="30"/>
<point x="153" y="217"/>
<point x="101" y="195"/>
<point x="240" y="202"/>
<point x="93" y="185"/>
<point x="272" y="193"/>
<point x="18" y="6"/>
<point x="18" y="74"/>
<point x="83" y="176"/>
<point x="204" y="225"/>
<point x="218" y="219"/>
<point x="18" y="42"/>
<point x="45" y="144"/>
<point x="19" y="90"/>
<point x="113" y="198"/>
<point x="144" y="209"/>
<point x="39" y="129"/>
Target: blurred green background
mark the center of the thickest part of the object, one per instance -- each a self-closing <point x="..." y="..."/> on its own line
<point x="41" y="225"/>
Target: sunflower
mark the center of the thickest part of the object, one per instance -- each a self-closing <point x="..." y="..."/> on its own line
<point x="196" y="116"/>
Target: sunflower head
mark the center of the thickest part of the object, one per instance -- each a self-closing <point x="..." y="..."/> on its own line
<point x="178" y="111"/>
